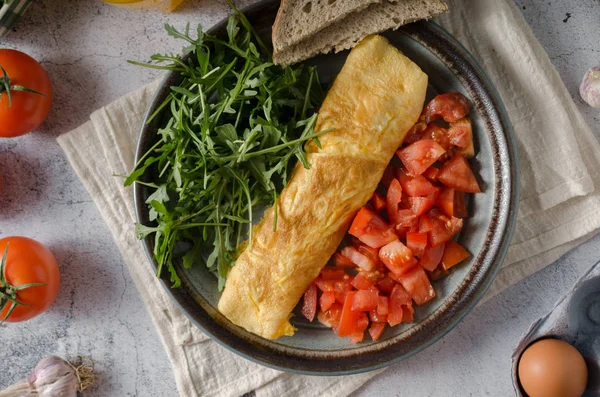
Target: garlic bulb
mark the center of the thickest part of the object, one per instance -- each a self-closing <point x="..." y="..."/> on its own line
<point x="52" y="377"/>
<point x="590" y="87"/>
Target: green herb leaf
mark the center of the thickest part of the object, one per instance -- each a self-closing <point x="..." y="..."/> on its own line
<point x="233" y="129"/>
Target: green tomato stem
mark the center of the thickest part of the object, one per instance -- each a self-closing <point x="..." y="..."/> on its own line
<point x="6" y="86"/>
<point x="8" y="292"/>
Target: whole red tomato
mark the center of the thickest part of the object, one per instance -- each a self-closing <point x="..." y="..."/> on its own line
<point x="27" y="262"/>
<point x="28" y="110"/>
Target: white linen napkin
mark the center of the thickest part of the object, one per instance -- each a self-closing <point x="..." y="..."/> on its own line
<point x="559" y="159"/>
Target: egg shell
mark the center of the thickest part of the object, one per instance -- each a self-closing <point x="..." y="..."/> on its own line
<point x="552" y="368"/>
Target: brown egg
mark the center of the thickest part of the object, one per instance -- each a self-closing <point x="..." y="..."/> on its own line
<point x="552" y="368"/>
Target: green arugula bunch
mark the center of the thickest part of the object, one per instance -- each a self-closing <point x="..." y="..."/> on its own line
<point x="237" y="125"/>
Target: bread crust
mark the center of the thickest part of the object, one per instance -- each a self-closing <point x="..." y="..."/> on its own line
<point x="275" y="30"/>
<point x="278" y="35"/>
<point x="350" y="30"/>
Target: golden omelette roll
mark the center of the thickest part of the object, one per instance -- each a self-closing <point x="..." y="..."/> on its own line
<point x="374" y="101"/>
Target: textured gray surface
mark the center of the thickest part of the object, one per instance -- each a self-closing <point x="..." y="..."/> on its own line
<point x="84" y="44"/>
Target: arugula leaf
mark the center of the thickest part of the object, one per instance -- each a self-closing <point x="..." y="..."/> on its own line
<point x="233" y="129"/>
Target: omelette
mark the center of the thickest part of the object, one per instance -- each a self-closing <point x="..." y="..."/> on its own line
<point x="375" y="99"/>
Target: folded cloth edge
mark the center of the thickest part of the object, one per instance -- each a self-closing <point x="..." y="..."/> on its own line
<point x="69" y="145"/>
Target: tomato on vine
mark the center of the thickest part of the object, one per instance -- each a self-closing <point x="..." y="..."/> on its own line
<point x="29" y="279"/>
<point x="25" y="93"/>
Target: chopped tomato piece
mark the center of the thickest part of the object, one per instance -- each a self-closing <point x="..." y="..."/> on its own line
<point x="397" y="257"/>
<point x="414" y="186"/>
<point x="460" y="134"/>
<point x="452" y="202"/>
<point x="365" y="300"/>
<point x="444" y="228"/>
<point x="331" y="318"/>
<point x="341" y="261"/>
<point x="433" y="196"/>
<point x="363" y="322"/>
<point x="431" y="173"/>
<point x="412" y="227"/>
<point x="403" y="218"/>
<point x="395" y="316"/>
<point x="437" y="274"/>
<point x="358" y="258"/>
<point x="377" y="201"/>
<point x="349" y="319"/>
<point x="327" y="300"/>
<point x="418" y="156"/>
<point x="386" y="285"/>
<point x="361" y="282"/>
<point x="324" y="285"/>
<point x="324" y="318"/>
<point x="460" y="205"/>
<point x="341" y="288"/>
<point x="359" y="333"/>
<point x="408" y="313"/>
<point x="388" y="175"/>
<point x="416" y="242"/>
<point x="457" y="174"/>
<point x="394" y="277"/>
<point x="332" y="273"/>
<point x="414" y="134"/>
<point x="451" y="107"/>
<point x="371" y="229"/>
<point x="440" y="136"/>
<point x="393" y="198"/>
<point x="442" y="233"/>
<point x="376" y="330"/>
<point x="417" y="284"/>
<point x="356" y="337"/>
<point x="335" y="312"/>
<point x="405" y="202"/>
<point x="309" y="307"/>
<point x="453" y="255"/>
<point x="420" y="205"/>
<point x="371" y="253"/>
<point x="383" y="308"/>
<point x="398" y="298"/>
<point x="445" y="201"/>
<point x="432" y="257"/>
<point x="377" y="318"/>
<point x="426" y="224"/>
<point x="375" y="276"/>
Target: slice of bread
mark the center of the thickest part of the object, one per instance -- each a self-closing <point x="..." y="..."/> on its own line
<point x="298" y="19"/>
<point x="347" y="32"/>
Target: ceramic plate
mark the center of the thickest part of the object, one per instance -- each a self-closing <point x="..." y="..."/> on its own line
<point x="314" y="349"/>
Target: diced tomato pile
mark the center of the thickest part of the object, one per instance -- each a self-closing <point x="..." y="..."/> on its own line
<point x="402" y="238"/>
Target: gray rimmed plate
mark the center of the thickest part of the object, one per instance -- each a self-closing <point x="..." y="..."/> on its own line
<point x="486" y="234"/>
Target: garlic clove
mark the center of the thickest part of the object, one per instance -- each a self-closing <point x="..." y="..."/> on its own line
<point x="590" y="87"/>
<point x="53" y="376"/>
